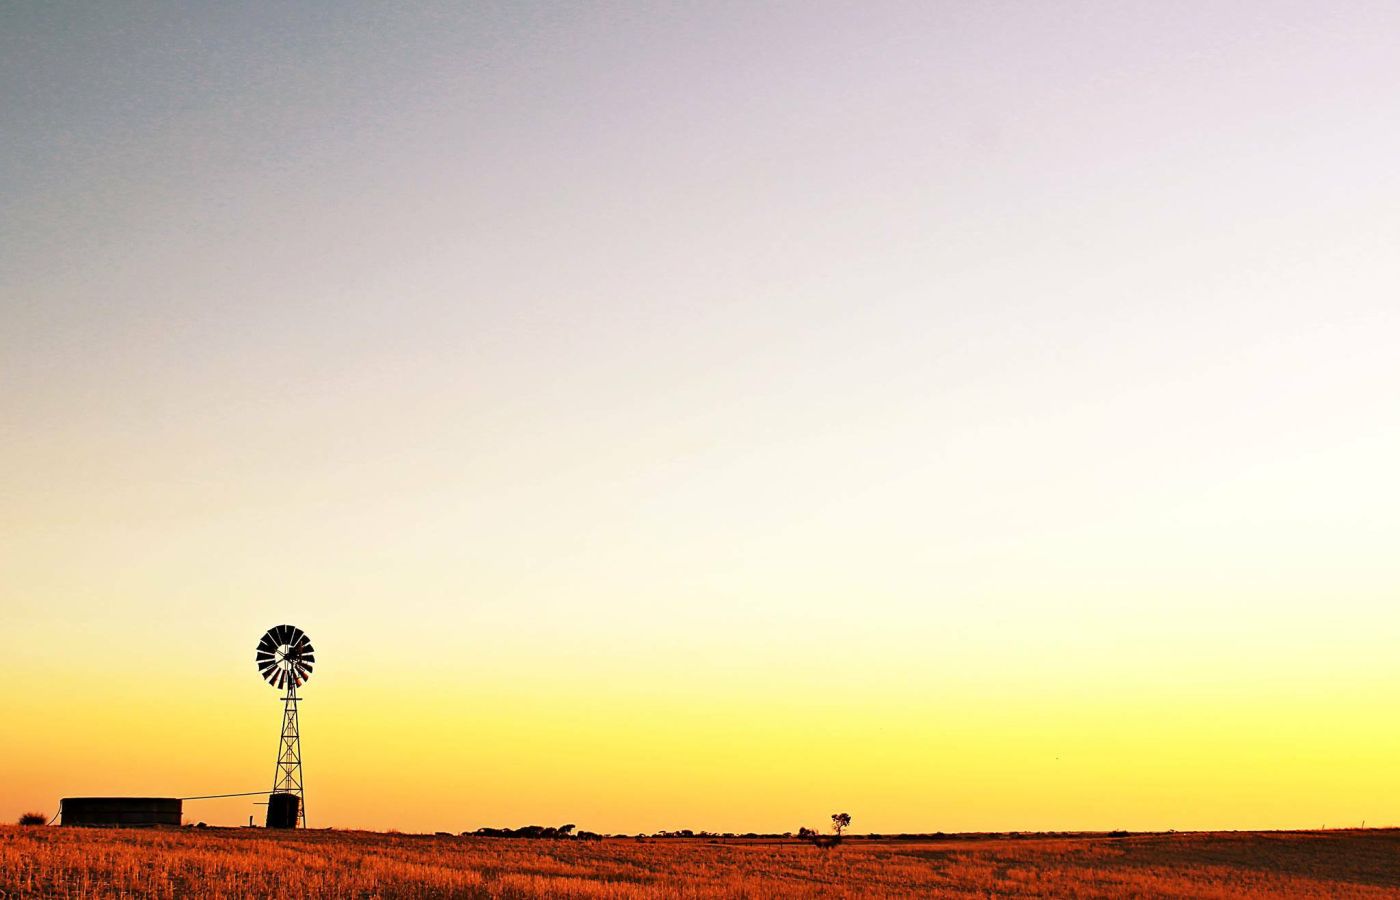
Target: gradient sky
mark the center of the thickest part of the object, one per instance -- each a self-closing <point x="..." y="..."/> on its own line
<point x="971" y="416"/>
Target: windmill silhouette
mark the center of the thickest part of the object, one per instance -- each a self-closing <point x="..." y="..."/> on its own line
<point x="284" y="657"/>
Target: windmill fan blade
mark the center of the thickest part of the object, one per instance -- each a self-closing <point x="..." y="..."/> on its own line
<point x="282" y="632"/>
<point x="304" y="670"/>
<point x="266" y="645"/>
<point x="264" y="656"/>
<point x="307" y="657"/>
<point x="295" y="635"/>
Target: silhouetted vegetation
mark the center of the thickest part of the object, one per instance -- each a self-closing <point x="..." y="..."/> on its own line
<point x="33" y="818"/>
<point x="536" y="832"/>
<point x="817" y="839"/>
<point x="840" y="823"/>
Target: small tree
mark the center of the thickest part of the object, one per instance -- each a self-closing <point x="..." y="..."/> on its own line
<point x="33" y="818"/>
<point x="840" y="822"/>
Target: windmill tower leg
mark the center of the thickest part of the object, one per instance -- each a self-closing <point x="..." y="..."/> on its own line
<point x="288" y="779"/>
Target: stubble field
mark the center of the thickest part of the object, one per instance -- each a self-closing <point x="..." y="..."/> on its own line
<point x="74" y="862"/>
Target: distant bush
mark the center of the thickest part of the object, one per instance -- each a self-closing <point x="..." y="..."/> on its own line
<point x="817" y="839"/>
<point x="33" y="818"/>
<point x="562" y="832"/>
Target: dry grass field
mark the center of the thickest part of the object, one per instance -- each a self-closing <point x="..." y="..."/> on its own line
<point x="71" y="862"/>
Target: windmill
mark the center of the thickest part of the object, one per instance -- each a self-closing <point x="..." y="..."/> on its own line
<point x="284" y="657"/>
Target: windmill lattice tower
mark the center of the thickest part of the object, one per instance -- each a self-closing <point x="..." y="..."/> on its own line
<point x="285" y="656"/>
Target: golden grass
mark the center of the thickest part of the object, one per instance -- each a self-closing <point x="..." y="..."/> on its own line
<point x="73" y="862"/>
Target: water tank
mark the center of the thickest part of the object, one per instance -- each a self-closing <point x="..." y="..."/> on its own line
<point x="125" y="812"/>
<point x="282" y="810"/>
